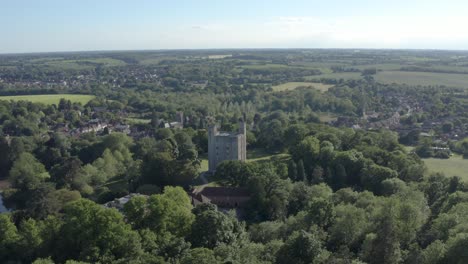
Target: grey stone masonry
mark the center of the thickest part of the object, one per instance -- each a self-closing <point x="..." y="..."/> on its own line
<point x="226" y="145"/>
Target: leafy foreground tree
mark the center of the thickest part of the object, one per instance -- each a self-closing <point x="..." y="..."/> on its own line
<point x="93" y="233"/>
<point x="302" y="248"/>
<point x="212" y="228"/>
<point x="27" y="173"/>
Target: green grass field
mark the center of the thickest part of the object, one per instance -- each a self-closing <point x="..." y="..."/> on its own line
<point x="260" y="155"/>
<point x="423" y="78"/>
<point x="327" y="117"/>
<point x="50" y="98"/>
<point x="455" y="166"/>
<point x="138" y="120"/>
<point x="253" y="155"/>
<point x="338" y="75"/>
<point x="294" y="85"/>
<point x="383" y="67"/>
<point x="204" y="164"/>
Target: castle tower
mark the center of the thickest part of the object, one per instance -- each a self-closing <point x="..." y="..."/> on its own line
<point x="226" y="145"/>
<point x="242" y="141"/>
<point x="212" y="152"/>
<point x="242" y="128"/>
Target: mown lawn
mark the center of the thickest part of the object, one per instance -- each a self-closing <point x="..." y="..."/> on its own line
<point x="50" y="98"/>
<point x="204" y="164"/>
<point x="455" y="166"/>
<point x="138" y="120"/>
<point x="294" y="85"/>
<point x="253" y="155"/>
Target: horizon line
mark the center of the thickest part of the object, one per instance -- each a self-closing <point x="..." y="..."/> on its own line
<point x="222" y="49"/>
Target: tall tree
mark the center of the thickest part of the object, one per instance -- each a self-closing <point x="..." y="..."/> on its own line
<point x="27" y="173"/>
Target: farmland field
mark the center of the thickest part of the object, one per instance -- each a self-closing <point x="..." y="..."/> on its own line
<point x="455" y="166"/>
<point x="293" y="85"/>
<point x="338" y="75"/>
<point x="50" y="98"/>
<point x="423" y="78"/>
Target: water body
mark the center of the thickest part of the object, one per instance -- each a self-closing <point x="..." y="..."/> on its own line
<point x="2" y="207"/>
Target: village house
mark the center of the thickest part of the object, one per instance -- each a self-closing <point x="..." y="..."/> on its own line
<point x="118" y="203"/>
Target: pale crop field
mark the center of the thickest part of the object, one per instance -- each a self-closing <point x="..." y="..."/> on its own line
<point x="50" y="99"/>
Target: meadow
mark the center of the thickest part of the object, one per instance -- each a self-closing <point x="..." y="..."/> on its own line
<point x="455" y="166"/>
<point x="134" y="120"/>
<point x="338" y="75"/>
<point x="423" y="78"/>
<point x="294" y="85"/>
<point x="49" y="99"/>
<point x="327" y="117"/>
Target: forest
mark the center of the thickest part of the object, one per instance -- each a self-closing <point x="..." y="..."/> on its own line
<point x="338" y="169"/>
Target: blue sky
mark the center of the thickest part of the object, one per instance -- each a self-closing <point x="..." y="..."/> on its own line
<point x="75" y="25"/>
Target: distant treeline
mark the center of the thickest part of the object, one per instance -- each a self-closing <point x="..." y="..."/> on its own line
<point x="424" y="69"/>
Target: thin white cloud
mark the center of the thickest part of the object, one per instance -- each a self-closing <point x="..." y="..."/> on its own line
<point x="343" y="32"/>
<point x="444" y="32"/>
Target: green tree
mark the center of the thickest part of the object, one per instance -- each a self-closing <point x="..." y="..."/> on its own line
<point x="93" y="233"/>
<point x="372" y="177"/>
<point x="27" y="173"/>
<point x="9" y="238"/>
<point x="269" y="194"/>
<point x="320" y="212"/>
<point x="200" y="256"/>
<point x="233" y="172"/>
<point x="301" y="173"/>
<point x="30" y="239"/>
<point x="292" y="170"/>
<point x="294" y="134"/>
<point x="456" y="249"/>
<point x="212" y="228"/>
<point x="348" y="227"/>
<point x="169" y="212"/>
<point x="307" y="150"/>
<point x="301" y="248"/>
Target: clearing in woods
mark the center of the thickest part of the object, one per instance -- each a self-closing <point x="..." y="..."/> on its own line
<point x="454" y="166"/>
<point x="49" y="99"/>
<point x="294" y="85"/>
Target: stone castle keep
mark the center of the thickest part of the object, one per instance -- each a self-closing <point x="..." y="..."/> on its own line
<point x="226" y="145"/>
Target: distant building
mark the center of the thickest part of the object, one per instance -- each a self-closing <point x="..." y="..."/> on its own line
<point x="178" y="124"/>
<point x="226" y="145"/>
